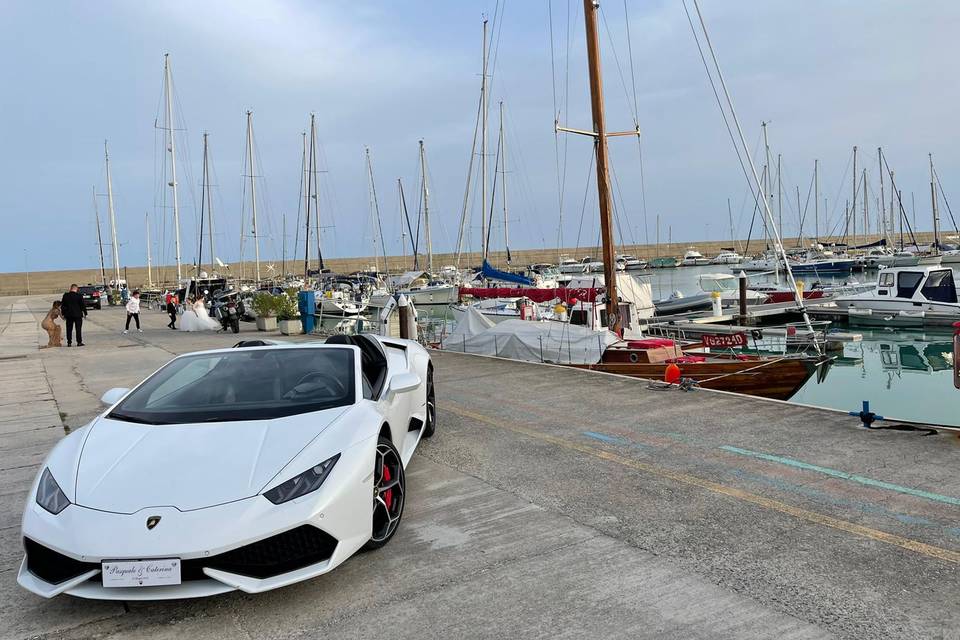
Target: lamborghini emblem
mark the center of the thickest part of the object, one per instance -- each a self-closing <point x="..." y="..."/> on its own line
<point x="153" y="521"/>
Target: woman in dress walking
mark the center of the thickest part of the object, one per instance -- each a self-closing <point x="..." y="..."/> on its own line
<point x="52" y="327"/>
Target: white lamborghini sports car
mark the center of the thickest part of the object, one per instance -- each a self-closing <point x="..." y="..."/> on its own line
<point x="248" y="468"/>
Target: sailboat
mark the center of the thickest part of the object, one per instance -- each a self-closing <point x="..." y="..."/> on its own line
<point x="603" y="348"/>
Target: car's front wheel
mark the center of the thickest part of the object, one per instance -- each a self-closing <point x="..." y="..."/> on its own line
<point x="388" y="494"/>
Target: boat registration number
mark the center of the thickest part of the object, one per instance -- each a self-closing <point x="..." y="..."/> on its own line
<point x="141" y="573"/>
<point x="725" y="340"/>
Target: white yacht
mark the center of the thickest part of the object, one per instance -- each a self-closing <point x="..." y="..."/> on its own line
<point x="904" y="295"/>
<point x="727" y="257"/>
<point x="693" y="258"/>
<point x="630" y="263"/>
<point x="881" y="258"/>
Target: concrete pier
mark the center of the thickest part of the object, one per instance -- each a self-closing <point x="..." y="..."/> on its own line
<point x="552" y="502"/>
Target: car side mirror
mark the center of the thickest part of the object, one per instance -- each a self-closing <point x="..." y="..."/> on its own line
<point x="113" y="396"/>
<point x="404" y="382"/>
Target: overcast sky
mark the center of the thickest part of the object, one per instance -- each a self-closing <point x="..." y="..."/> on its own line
<point x="826" y="74"/>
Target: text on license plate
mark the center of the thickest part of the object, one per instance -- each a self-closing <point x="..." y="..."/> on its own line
<point x="141" y="573"/>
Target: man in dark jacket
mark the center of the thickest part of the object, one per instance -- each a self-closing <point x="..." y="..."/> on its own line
<point x="74" y="311"/>
<point x="172" y="302"/>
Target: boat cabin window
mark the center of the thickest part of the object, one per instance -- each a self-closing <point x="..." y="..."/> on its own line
<point x="886" y="279"/>
<point x="579" y="317"/>
<point x="940" y="287"/>
<point x="907" y="283"/>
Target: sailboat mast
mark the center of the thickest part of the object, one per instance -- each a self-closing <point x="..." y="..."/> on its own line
<point x="213" y="256"/>
<point x="590" y="9"/>
<point x="816" y="198"/>
<point x="866" y="208"/>
<point x="403" y="229"/>
<point x="204" y="187"/>
<point x="171" y="148"/>
<point x="768" y="192"/>
<point x="658" y="235"/>
<point x="883" y="204"/>
<point x="253" y="195"/>
<point x="316" y="196"/>
<point x="146" y="218"/>
<point x="503" y="185"/>
<point x="96" y="216"/>
<point x="426" y="208"/>
<point x="373" y="209"/>
<point x="730" y="222"/>
<point x="308" y="178"/>
<point x="779" y="197"/>
<point x="483" y="146"/>
<point x="936" y="212"/>
<point x="852" y="212"/>
<point x="113" y="219"/>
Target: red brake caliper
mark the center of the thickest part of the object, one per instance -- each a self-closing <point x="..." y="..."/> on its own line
<point x="388" y="494"/>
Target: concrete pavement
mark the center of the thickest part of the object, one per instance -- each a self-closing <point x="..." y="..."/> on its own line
<point x="551" y="502"/>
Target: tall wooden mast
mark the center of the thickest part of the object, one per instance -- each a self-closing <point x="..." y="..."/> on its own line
<point x="590" y="8"/>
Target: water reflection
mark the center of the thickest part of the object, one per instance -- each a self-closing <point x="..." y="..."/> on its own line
<point x="904" y="374"/>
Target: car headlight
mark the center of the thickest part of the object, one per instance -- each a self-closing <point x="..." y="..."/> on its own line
<point x="301" y="485"/>
<point x="49" y="494"/>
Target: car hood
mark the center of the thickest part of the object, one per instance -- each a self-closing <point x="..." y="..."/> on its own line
<point x="125" y="467"/>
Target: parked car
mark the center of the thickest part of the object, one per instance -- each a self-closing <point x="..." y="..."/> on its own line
<point x="92" y="298"/>
<point x="248" y="468"/>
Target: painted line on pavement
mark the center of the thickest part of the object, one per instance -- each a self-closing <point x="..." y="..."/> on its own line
<point x="916" y="546"/>
<point x="880" y="484"/>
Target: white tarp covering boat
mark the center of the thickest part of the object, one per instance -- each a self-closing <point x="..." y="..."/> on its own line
<point x="549" y="341"/>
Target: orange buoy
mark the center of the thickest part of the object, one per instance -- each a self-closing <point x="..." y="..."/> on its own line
<point x="671" y="374"/>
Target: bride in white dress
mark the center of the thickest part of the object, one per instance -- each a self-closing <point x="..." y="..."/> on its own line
<point x="196" y="318"/>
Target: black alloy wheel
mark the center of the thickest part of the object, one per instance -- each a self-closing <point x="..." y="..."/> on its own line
<point x="388" y="494"/>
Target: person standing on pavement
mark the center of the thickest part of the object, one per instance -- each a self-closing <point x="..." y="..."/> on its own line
<point x="133" y="311"/>
<point x="52" y="327"/>
<point x="172" y="311"/>
<point x="74" y="311"/>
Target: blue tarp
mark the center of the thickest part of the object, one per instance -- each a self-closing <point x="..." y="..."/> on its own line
<point x="493" y="274"/>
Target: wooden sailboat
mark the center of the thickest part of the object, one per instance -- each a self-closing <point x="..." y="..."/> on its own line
<point x="772" y="377"/>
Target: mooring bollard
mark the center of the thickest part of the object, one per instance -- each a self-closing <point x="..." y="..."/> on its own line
<point x="866" y="416"/>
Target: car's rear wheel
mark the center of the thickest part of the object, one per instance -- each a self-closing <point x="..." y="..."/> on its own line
<point x="430" y="421"/>
<point x="389" y="488"/>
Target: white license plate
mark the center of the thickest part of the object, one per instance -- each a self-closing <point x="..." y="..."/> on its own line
<point x="141" y="573"/>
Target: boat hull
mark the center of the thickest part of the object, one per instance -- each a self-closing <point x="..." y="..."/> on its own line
<point x="779" y="380"/>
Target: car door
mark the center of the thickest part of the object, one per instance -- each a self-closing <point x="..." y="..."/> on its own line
<point x="398" y="408"/>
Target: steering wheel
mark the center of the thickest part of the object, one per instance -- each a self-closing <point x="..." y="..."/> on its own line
<point x="321" y="379"/>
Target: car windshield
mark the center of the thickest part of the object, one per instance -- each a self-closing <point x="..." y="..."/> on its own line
<point x="243" y="384"/>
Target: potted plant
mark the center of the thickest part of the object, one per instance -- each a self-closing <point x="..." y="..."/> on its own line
<point x="265" y="307"/>
<point x="288" y="315"/>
